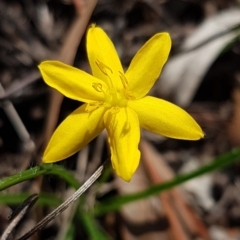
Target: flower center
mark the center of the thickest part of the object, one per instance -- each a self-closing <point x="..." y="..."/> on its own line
<point x="114" y="97"/>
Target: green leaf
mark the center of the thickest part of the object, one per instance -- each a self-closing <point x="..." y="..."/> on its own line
<point x="70" y="233"/>
<point x="18" y="198"/>
<point x="93" y="229"/>
<point x="115" y="203"/>
<point x="45" y="169"/>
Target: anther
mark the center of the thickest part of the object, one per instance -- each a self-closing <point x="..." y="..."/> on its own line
<point x="97" y="87"/>
<point x="92" y="106"/>
<point x="103" y="67"/>
<point x="114" y="110"/>
<point x="124" y="80"/>
<point x="129" y="95"/>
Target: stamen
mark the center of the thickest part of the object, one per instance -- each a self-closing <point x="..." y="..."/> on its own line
<point x="92" y="106"/>
<point x="97" y="87"/>
<point x="124" y="80"/>
<point x="114" y="110"/>
<point x="103" y="67"/>
<point x="129" y="95"/>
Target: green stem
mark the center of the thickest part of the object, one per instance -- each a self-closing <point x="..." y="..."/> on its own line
<point x="18" y="198"/>
<point x="45" y="169"/>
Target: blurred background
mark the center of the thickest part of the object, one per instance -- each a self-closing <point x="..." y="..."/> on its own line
<point x="202" y="76"/>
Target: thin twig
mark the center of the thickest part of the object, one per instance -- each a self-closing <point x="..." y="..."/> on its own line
<point x="16" y="122"/>
<point x="66" y="204"/>
<point x="20" y="85"/>
<point x="67" y="55"/>
<point x="84" y="11"/>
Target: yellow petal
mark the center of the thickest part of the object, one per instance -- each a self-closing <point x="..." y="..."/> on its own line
<point x="165" y="118"/>
<point x="76" y="131"/>
<point x="103" y="57"/>
<point x="147" y="64"/>
<point x="71" y="82"/>
<point x="123" y="136"/>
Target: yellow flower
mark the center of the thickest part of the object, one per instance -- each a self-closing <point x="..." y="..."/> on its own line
<point x="115" y="100"/>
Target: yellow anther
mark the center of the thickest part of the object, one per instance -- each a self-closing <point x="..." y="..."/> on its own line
<point x="103" y="68"/>
<point x="114" y="110"/>
<point x="92" y="106"/>
<point x="124" y="80"/>
<point x="129" y="95"/>
<point x="97" y="87"/>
